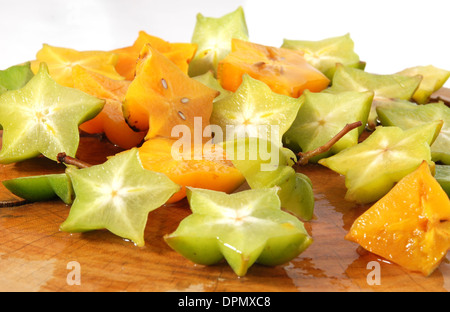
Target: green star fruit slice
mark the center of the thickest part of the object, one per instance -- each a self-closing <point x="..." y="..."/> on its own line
<point x="42" y="187"/>
<point x="117" y="195"/>
<point x="254" y="110"/>
<point x="372" y="167"/>
<point x="391" y="86"/>
<point x="244" y="228"/>
<point x="43" y="118"/>
<point x="273" y="169"/>
<point x="323" y="115"/>
<point x="442" y="175"/>
<point x="326" y="53"/>
<point x="408" y="116"/>
<point x="433" y="78"/>
<point x="209" y="80"/>
<point x="15" y="77"/>
<point x="213" y="36"/>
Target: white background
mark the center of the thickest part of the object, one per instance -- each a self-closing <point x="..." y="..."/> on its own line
<point x="389" y="35"/>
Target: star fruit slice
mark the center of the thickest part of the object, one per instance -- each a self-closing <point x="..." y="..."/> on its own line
<point x="442" y="175"/>
<point x="15" y="77"/>
<point x="244" y="228"/>
<point x="162" y="96"/>
<point x="326" y="53"/>
<point x="43" y="118"/>
<point x="117" y="195"/>
<point x="265" y="165"/>
<point x="373" y="166"/>
<point x="410" y="225"/>
<point x="412" y="115"/>
<point x="213" y="35"/>
<point x="42" y="187"/>
<point x="209" y="80"/>
<point x="285" y="71"/>
<point x="323" y="115"/>
<point x="391" y="86"/>
<point x="433" y="78"/>
<point x="60" y="62"/>
<point x="254" y="110"/>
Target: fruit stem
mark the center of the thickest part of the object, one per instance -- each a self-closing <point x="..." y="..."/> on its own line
<point x="303" y="158"/>
<point x="63" y="158"/>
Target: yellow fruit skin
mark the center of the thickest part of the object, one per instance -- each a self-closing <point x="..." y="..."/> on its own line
<point x="410" y="225"/>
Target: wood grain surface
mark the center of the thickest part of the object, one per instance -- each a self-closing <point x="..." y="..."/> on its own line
<point x="36" y="256"/>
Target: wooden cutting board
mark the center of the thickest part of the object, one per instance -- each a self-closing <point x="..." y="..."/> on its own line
<point x="36" y="256"/>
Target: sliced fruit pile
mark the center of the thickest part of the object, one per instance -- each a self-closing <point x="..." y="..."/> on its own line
<point x="197" y="119"/>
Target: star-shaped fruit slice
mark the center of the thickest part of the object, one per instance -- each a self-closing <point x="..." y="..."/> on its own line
<point x="326" y="53"/>
<point x="244" y="228"/>
<point x="254" y="110"/>
<point x="410" y="225"/>
<point x="162" y="96"/>
<point x="285" y="71"/>
<point x="43" y="118"/>
<point x="390" y="86"/>
<point x="266" y="165"/>
<point x="117" y="195"/>
<point x="373" y="166"/>
<point x="110" y="120"/>
<point x="180" y="53"/>
<point x="433" y="78"/>
<point x="15" y="77"/>
<point x="408" y="116"/>
<point x="213" y="35"/>
<point x="442" y="175"/>
<point x="323" y="115"/>
<point x="211" y="81"/>
<point x="60" y="62"/>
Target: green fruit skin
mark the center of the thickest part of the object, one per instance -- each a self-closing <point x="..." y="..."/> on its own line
<point x="442" y="175"/>
<point x="41" y="188"/>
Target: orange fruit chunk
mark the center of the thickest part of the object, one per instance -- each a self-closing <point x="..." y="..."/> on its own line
<point x="410" y="225"/>
<point x="61" y="61"/>
<point x="181" y="53"/>
<point x="162" y="96"/>
<point x="200" y="165"/>
<point x="110" y="120"/>
<point x="285" y="71"/>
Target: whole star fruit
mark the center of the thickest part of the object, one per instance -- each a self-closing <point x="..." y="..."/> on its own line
<point x="433" y="78"/>
<point x="180" y="53"/>
<point x="326" y="53"/>
<point x="442" y="175"/>
<point x="285" y="71"/>
<point x="42" y="187"/>
<point x="372" y="167"/>
<point x="15" y="77"/>
<point x="110" y="121"/>
<point x="412" y="115"/>
<point x="322" y="116"/>
<point x="43" y="118"/>
<point x="410" y="225"/>
<point x="213" y="35"/>
<point x="295" y="189"/>
<point x="254" y="110"/>
<point x="201" y="165"/>
<point x="162" y="97"/>
<point x="60" y="62"/>
<point x="390" y="86"/>
<point x="246" y="227"/>
<point x="117" y="195"/>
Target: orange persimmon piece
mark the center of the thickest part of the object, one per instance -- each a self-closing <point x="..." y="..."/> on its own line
<point x="285" y="71"/>
<point x="181" y="53"/>
<point x="201" y="165"/>
<point x="162" y="96"/>
<point x="410" y="225"/>
<point x="110" y="120"/>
